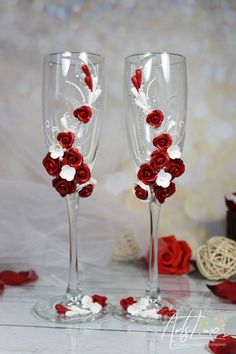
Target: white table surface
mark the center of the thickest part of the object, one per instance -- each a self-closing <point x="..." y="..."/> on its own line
<point x="22" y="333"/>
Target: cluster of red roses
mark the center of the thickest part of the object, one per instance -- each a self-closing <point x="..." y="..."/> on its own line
<point x="73" y="158"/>
<point x="160" y="160"/>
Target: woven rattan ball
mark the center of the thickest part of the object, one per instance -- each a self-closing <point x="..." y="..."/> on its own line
<point x="217" y="259"/>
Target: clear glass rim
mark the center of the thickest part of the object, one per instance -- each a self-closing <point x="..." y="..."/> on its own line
<point x="50" y="56"/>
<point x="179" y="57"/>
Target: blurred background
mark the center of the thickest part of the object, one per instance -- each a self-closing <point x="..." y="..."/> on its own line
<point x="32" y="215"/>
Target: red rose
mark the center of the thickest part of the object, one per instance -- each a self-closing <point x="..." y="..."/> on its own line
<point x="83" y="174"/>
<point x="73" y="158"/>
<point x="102" y="300"/>
<point x="53" y="166"/>
<point x="162" y="141"/>
<point x="147" y="174"/>
<point x="175" y="167"/>
<point x="140" y="192"/>
<point x="66" y="140"/>
<point x="173" y="256"/>
<point x="125" y="303"/>
<point x="86" y="191"/>
<point x="83" y="113"/>
<point x="63" y="186"/>
<point x="159" y="160"/>
<point x="162" y="193"/>
<point x="155" y="118"/>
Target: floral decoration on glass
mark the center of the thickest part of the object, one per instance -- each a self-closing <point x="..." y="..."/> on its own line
<point x="73" y="109"/>
<point x="155" y="177"/>
<point x="155" y="109"/>
<point x="64" y="161"/>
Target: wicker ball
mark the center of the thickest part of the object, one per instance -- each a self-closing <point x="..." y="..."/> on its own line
<point x="217" y="259"/>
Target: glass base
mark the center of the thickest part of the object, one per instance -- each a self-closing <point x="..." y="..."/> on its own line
<point x="148" y="314"/>
<point x="45" y="309"/>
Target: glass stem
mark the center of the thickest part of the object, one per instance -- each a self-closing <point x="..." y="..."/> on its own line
<point x="153" y="291"/>
<point x="73" y="292"/>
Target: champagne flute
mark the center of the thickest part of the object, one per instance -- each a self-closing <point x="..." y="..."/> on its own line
<point x="73" y="108"/>
<point x="155" y="94"/>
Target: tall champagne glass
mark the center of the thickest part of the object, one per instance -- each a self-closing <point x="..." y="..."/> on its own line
<point x="155" y="94"/>
<point x="73" y="108"/>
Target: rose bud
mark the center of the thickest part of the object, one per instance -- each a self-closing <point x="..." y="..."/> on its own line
<point x="155" y="118"/>
<point x="66" y="140"/>
<point x="83" y="174"/>
<point x="83" y="114"/>
<point x="86" y="191"/>
<point x="162" y="141"/>
<point x="53" y="166"/>
<point x="162" y="193"/>
<point x="147" y="174"/>
<point x="73" y="158"/>
<point x="175" y="167"/>
<point x="63" y="186"/>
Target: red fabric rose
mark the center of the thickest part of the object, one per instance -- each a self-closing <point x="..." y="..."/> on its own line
<point x="223" y="344"/>
<point x="102" y="300"/>
<point x="125" y="303"/>
<point x="53" y="166"/>
<point x="140" y="192"/>
<point x="173" y="256"/>
<point x="162" y="141"/>
<point x="86" y="191"/>
<point x="63" y="186"/>
<point x="73" y="158"/>
<point x="83" y="113"/>
<point x="137" y="79"/>
<point x="147" y="174"/>
<point x="159" y="160"/>
<point x="83" y="174"/>
<point x="155" y="118"/>
<point x="162" y="193"/>
<point x="176" y="167"/>
<point x="66" y="140"/>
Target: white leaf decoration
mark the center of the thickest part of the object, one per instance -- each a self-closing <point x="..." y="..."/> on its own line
<point x="140" y="104"/>
<point x="143" y="98"/>
<point x="64" y="122"/>
<point x="147" y="70"/>
<point x="95" y="82"/>
<point x="171" y="125"/>
<point x="84" y="57"/>
<point x="134" y="92"/>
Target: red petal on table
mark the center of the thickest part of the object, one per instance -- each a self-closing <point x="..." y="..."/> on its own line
<point x="223" y="344"/>
<point x="2" y="286"/>
<point x="61" y="310"/>
<point x="10" y="277"/>
<point x="225" y="290"/>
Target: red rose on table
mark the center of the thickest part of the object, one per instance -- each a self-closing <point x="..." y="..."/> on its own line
<point x="83" y="174"/>
<point x="147" y="174"/>
<point x="53" y="166"/>
<point x="125" y="303"/>
<point x="83" y="113"/>
<point x="66" y="140"/>
<point x="162" y="141"/>
<point x="63" y="186"/>
<point x="159" y="160"/>
<point x="86" y="191"/>
<point x="173" y="256"/>
<point x="175" y="167"/>
<point x="162" y="193"/>
<point x="155" y="118"/>
<point x="73" y="158"/>
<point x="102" y="300"/>
<point x="140" y="192"/>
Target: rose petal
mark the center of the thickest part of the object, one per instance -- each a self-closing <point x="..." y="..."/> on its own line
<point x="2" y="286"/>
<point x="10" y="277"/>
<point x="223" y="344"/>
<point x="61" y="310"/>
<point x="224" y="290"/>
